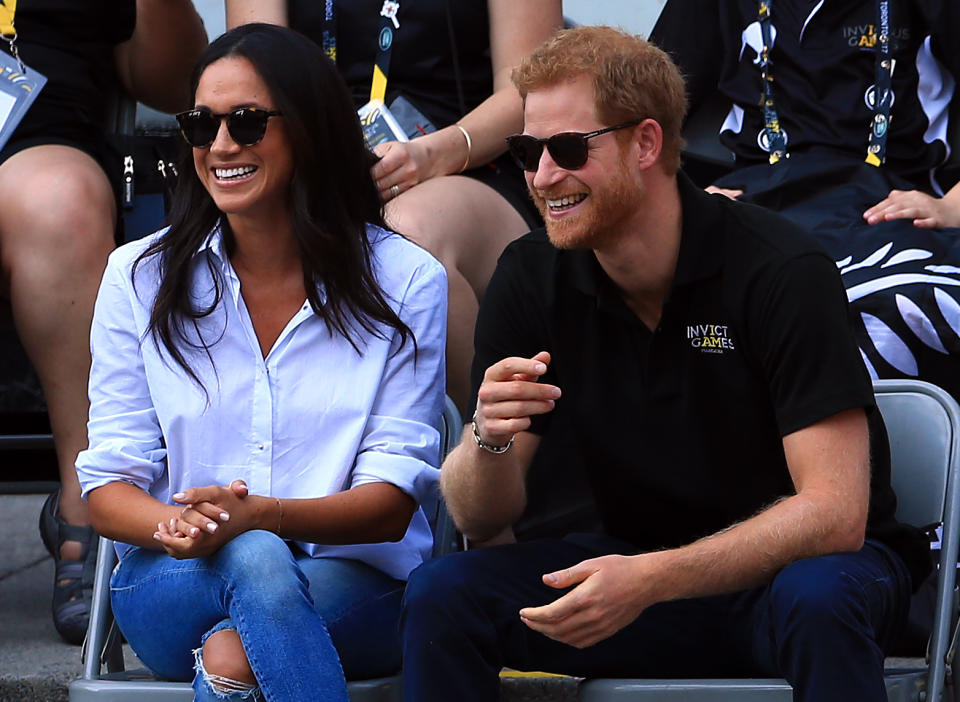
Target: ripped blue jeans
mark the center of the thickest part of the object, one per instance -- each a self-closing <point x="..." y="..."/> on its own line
<point x="306" y="624"/>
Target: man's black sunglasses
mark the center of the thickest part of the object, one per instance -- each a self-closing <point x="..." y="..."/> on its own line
<point x="246" y="125"/>
<point x="567" y="149"/>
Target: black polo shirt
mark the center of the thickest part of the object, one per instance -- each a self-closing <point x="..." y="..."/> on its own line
<point x="678" y="431"/>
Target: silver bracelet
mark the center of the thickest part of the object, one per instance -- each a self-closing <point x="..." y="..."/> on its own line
<point x="483" y="444"/>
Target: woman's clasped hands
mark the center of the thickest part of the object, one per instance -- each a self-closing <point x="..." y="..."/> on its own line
<point x="211" y="516"/>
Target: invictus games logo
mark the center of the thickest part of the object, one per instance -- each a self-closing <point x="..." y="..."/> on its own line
<point x="710" y="338"/>
<point x="865" y="36"/>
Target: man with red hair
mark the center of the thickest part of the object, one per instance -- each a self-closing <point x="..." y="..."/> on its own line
<point x="690" y="357"/>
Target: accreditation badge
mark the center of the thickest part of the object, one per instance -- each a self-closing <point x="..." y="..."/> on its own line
<point x="19" y="87"/>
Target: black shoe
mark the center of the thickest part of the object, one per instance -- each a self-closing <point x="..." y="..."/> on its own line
<point x="73" y="581"/>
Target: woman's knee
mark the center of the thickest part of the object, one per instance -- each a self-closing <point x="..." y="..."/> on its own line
<point x="60" y="205"/>
<point x="223" y="655"/>
<point x="242" y="562"/>
<point x="461" y="221"/>
<point x="223" y="668"/>
<point x="253" y="548"/>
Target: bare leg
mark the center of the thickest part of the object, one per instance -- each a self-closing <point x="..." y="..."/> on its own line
<point x="56" y="230"/>
<point x="466" y="225"/>
<point x="225" y="663"/>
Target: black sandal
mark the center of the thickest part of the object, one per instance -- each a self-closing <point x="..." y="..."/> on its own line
<point x="73" y="581"/>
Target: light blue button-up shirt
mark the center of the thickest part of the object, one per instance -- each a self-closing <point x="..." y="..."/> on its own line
<point x="313" y="418"/>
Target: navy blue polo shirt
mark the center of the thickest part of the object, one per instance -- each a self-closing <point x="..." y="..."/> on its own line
<point x="676" y="432"/>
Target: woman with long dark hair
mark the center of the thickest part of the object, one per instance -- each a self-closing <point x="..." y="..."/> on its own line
<point x="455" y="191"/>
<point x="267" y="377"/>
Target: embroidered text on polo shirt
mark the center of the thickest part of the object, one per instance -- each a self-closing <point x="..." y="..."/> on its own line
<point x="710" y="338"/>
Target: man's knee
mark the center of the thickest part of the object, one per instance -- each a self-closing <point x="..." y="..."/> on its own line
<point x="434" y="582"/>
<point x="447" y="593"/>
<point x="814" y="595"/>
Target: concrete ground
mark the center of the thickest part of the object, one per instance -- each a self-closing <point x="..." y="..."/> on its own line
<point x="35" y="664"/>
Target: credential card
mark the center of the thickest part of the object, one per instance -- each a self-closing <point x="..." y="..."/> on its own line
<point x="18" y="90"/>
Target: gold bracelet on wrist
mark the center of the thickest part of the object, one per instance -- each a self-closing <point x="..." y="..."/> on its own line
<point x="466" y="135"/>
<point x="280" y="517"/>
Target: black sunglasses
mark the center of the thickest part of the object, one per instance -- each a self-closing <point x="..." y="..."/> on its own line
<point x="246" y="125"/>
<point x="567" y="149"/>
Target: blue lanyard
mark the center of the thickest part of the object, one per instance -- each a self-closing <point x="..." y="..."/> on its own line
<point x="774" y="138"/>
<point x="883" y="89"/>
<point x="389" y="24"/>
<point x="329" y="31"/>
<point x="772" y="134"/>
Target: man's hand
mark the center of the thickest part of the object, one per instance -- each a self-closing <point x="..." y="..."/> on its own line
<point x="609" y="596"/>
<point x="510" y="395"/>
<point x="927" y="212"/>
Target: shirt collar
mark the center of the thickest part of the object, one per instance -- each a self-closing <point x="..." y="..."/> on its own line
<point x="700" y="246"/>
<point x="214" y="242"/>
<point x="701" y="239"/>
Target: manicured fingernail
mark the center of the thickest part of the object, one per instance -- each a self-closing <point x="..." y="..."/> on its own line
<point x="156" y="535"/>
<point x="178" y="495"/>
<point x="159" y="526"/>
<point x="211" y="527"/>
<point x="173" y="522"/>
<point x="194" y="531"/>
<point x="224" y="517"/>
<point x="550" y="578"/>
<point x="539" y="368"/>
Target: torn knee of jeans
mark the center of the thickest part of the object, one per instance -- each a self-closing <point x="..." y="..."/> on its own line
<point x="222" y="686"/>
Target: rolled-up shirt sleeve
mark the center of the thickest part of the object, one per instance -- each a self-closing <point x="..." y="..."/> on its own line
<point x="125" y="440"/>
<point x="401" y="443"/>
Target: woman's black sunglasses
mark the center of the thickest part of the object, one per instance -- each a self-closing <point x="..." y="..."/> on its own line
<point x="246" y="125"/>
<point x="567" y="149"/>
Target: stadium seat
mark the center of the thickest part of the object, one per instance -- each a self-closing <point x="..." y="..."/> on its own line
<point x="102" y="648"/>
<point x="923" y="423"/>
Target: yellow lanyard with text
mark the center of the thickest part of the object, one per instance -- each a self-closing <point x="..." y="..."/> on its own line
<point x="8" y="8"/>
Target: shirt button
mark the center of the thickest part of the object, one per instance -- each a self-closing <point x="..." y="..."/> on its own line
<point x="260" y="447"/>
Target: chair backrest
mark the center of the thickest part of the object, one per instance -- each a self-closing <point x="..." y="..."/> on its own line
<point x="921" y="429"/>
<point x="923" y="422"/>
<point x="446" y="538"/>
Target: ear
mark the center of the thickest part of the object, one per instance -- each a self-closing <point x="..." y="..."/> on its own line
<point x="648" y="143"/>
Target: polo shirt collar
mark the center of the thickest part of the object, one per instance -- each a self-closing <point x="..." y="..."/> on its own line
<point x="701" y="239"/>
<point x="700" y="247"/>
